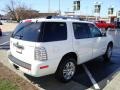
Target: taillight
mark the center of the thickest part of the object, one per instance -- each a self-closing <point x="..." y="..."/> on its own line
<point x="40" y="54"/>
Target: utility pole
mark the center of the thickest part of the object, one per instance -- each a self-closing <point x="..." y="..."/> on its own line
<point x="59" y="8"/>
<point x="48" y="6"/>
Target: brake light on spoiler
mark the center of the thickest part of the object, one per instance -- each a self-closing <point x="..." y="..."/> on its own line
<point x="28" y="20"/>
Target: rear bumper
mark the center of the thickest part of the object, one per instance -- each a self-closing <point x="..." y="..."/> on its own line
<point x="20" y="63"/>
<point x="34" y="69"/>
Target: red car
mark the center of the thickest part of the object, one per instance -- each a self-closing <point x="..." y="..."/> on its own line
<point x="0" y="32"/>
<point x="103" y="24"/>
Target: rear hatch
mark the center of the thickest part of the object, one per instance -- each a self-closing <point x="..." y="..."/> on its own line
<point x="23" y="41"/>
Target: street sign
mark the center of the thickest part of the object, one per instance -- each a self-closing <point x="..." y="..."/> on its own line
<point x="110" y="11"/>
<point x="97" y="8"/>
<point x="76" y="5"/>
<point x="118" y="13"/>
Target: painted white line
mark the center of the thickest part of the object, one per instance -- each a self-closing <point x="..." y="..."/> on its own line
<point x="6" y="34"/>
<point x="4" y="43"/>
<point x="91" y="77"/>
<point x="115" y="32"/>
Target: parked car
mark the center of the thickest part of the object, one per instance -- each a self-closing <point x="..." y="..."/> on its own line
<point x="40" y="47"/>
<point x="106" y="26"/>
<point x="117" y="24"/>
<point x="0" y="32"/>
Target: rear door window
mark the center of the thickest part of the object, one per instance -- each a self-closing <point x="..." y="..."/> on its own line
<point x="81" y="30"/>
<point x="54" y="31"/>
<point x="28" y="31"/>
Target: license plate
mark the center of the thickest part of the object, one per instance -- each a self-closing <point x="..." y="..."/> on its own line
<point x="19" y="50"/>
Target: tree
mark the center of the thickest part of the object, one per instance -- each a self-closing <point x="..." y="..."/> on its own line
<point x="10" y="9"/>
<point x="20" y="11"/>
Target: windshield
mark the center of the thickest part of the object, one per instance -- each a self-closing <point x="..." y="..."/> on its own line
<point x="28" y="31"/>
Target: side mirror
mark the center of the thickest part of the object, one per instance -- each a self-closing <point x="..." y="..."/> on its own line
<point x="104" y="34"/>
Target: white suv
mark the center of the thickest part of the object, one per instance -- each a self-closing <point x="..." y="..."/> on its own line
<point x="41" y="47"/>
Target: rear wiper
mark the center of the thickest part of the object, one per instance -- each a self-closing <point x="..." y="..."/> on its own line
<point x="18" y="36"/>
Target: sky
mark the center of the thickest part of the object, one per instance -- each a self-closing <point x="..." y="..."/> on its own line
<point x="87" y="6"/>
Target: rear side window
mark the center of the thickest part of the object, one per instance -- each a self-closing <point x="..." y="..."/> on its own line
<point x="28" y="31"/>
<point x="81" y="30"/>
<point x="54" y="31"/>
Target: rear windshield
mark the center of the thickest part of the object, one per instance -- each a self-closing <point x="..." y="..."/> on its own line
<point x="28" y="31"/>
<point x="41" y="32"/>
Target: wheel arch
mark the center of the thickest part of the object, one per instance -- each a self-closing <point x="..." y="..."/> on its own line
<point x="110" y="43"/>
<point x="69" y="54"/>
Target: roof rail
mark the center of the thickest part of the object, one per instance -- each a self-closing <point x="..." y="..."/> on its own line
<point x="62" y="17"/>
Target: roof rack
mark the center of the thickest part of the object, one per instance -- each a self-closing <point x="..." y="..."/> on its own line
<point x="62" y="17"/>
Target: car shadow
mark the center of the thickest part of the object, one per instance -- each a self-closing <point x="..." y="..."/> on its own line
<point x="50" y="83"/>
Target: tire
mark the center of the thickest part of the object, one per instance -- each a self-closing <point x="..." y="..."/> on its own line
<point x="66" y="69"/>
<point x="108" y="53"/>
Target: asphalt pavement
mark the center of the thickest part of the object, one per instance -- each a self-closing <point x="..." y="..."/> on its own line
<point x="95" y="75"/>
<point x="4" y="40"/>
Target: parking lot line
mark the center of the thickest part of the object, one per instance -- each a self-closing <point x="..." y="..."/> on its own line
<point x="4" y="43"/>
<point x="96" y="86"/>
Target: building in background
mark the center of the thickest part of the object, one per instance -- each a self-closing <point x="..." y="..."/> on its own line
<point x="47" y="14"/>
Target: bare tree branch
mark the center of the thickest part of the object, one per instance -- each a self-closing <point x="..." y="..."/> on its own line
<point x="19" y="11"/>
